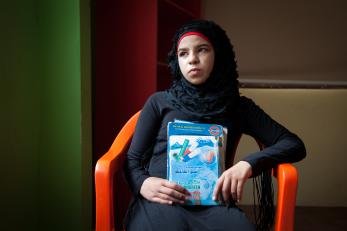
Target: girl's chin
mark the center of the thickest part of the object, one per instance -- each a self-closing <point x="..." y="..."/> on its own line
<point x="196" y="81"/>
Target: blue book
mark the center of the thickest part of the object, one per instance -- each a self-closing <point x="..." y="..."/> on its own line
<point x="196" y="158"/>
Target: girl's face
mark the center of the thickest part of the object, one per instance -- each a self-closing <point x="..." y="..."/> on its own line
<point x="195" y="59"/>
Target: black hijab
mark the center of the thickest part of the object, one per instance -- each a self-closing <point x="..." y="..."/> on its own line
<point x="220" y="92"/>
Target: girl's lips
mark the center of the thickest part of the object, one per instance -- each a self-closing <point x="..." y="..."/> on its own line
<point x="194" y="71"/>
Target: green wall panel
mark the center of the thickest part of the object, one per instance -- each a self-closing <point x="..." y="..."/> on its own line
<point x="45" y="140"/>
<point x="20" y="116"/>
<point x="60" y="155"/>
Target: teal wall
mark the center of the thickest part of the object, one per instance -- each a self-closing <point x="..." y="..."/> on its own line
<point x="45" y="100"/>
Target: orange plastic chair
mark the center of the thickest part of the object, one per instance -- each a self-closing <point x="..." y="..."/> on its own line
<point x="111" y="163"/>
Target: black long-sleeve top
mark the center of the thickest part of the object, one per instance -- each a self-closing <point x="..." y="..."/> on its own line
<point x="150" y="139"/>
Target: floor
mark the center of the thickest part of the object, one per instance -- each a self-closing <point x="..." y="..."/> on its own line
<point x="316" y="218"/>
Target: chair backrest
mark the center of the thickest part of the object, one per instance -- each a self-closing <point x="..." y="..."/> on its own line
<point x="112" y="191"/>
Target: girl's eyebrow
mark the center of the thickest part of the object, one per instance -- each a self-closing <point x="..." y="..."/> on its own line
<point x="182" y="49"/>
<point x="197" y="46"/>
<point x="203" y="44"/>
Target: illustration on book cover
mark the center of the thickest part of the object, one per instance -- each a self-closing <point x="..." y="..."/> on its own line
<point x="196" y="158"/>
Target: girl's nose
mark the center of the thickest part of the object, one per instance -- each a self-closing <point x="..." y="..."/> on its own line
<point x="193" y="58"/>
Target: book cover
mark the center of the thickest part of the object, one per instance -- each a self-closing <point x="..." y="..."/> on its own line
<point x="196" y="158"/>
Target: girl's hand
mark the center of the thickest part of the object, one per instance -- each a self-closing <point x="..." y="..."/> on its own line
<point x="231" y="182"/>
<point x="163" y="191"/>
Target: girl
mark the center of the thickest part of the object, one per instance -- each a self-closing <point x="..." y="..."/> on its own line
<point x="205" y="90"/>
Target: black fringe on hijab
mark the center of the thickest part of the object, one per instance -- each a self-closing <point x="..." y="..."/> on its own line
<point x="263" y="204"/>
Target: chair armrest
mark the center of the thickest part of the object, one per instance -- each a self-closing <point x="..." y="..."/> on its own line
<point x="104" y="172"/>
<point x="105" y="169"/>
<point x="287" y="179"/>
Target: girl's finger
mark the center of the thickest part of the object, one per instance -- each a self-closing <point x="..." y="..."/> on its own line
<point x="217" y="188"/>
<point x="239" y="190"/>
<point x="162" y="201"/>
<point x="173" y="193"/>
<point x="226" y="189"/>
<point x="233" y="189"/>
<point x="167" y="197"/>
<point x="176" y="187"/>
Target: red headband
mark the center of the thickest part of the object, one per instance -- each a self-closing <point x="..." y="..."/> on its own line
<point x="192" y="33"/>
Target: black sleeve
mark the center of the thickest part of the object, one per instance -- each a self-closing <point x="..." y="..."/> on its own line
<point x="282" y="146"/>
<point x="144" y="138"/>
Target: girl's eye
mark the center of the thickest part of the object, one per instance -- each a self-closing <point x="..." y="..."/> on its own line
<point x="182" y="53"/>
<point x="203" y="49"/>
